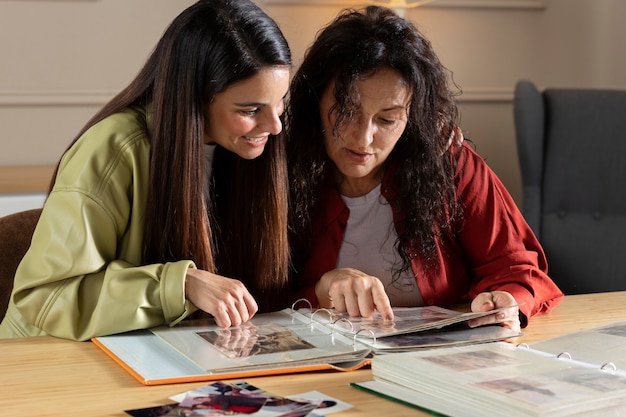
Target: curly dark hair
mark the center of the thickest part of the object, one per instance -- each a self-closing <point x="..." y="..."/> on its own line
<point x="357" y="44"/>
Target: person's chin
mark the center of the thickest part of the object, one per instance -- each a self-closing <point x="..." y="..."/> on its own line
<point x="251" y="153"/>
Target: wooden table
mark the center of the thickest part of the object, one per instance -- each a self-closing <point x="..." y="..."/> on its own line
<point x="46" y="376"/>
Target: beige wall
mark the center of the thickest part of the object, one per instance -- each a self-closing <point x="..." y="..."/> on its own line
<point x="62" y="59"/>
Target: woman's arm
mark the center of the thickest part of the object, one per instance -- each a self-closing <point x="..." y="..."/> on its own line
<point x="82" y="276"/>
<point x="501" y="249"/>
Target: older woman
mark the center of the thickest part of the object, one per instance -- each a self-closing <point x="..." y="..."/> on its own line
<point x="390" y="206"/>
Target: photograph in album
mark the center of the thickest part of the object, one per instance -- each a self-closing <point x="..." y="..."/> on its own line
<point x="405" y="320"/>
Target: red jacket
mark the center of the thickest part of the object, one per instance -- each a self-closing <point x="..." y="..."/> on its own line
<point x="493" y="248"/>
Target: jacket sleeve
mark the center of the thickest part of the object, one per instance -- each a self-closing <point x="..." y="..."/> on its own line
<point x="83" y="274"/>
<point x="502" y="250"/>
<point x="70" y="285"/>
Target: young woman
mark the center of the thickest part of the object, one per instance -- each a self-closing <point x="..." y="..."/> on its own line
<point x="173" y="197"/>
<point x="390" y="206"/>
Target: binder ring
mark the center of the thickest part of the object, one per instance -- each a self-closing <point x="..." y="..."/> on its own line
<point x="363" y="330"/>
<point x="564" y="354"/>
<point x="523" y="345"/>
<point x="330" y="314"/>
<point x="295" y="303"/>
<point x="332" y="328"/>
<point x="609" y="365"/>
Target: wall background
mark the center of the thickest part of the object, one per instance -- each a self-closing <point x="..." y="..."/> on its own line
<point x="63" y="59"/>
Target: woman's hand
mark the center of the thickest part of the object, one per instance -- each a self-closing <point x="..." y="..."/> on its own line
<point x="226" y="299"/>
<point x="487" y="301"/>
<point x="350" y="290"/>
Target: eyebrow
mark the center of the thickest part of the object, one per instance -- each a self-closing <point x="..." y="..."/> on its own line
<point x="250" y="104"/>
<point x="255" y="103"/>
<point x="398" y="107"/>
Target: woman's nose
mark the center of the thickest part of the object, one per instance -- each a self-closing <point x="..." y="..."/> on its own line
<point x="361" y="132"/>
<point x="272" y="123"/>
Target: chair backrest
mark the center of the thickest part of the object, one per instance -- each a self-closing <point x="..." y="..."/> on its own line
<point x="16" y="231"/>
<point x="572" y="152"/>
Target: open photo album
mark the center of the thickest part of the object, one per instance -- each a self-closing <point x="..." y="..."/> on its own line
<point x="286" y="341"/>
<point x="578" y="374"/>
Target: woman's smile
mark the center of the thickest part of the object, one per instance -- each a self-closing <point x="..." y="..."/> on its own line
<point x="256" y="141"/>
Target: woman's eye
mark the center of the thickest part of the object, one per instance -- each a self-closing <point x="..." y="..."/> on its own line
<point x="249" y="112"/>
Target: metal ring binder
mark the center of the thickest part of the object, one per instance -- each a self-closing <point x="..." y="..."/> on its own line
<point x="364" y="330"/>
<point x="565" y="354"/>
<point x="330" y="314"/>
<point x="609" y="365"/>
<point x="295" y="303"/>
<point x="332" y="328"/>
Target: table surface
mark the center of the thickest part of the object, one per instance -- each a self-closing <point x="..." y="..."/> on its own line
<point x="46" y="376"/>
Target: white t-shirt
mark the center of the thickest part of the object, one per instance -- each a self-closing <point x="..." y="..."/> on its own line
<point x="368" y="245"/>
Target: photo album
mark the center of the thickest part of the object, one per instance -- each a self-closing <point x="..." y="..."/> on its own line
<point x="578" y="374"/>
<point x="287" y="341"/>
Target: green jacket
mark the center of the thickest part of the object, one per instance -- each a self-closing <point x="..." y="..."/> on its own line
<point x="83" y="275"/>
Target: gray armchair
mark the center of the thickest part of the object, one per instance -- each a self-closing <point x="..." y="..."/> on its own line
<point x="572" y="153"/>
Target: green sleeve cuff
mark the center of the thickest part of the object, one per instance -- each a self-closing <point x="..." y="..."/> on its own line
<point x="175" y="306"/>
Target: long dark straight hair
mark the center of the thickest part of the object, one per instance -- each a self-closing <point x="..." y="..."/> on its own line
<point x="207" y="48"/>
